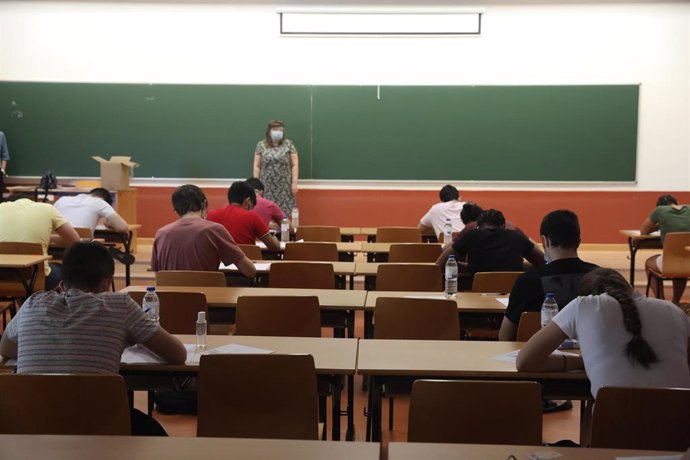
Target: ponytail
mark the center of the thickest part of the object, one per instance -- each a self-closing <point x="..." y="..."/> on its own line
<point x="606" y="280"/>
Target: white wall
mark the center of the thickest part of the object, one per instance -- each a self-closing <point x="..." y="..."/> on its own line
<point x="522" y="42"/>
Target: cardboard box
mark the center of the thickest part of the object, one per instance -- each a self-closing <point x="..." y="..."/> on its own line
<point x="115" y="173"/>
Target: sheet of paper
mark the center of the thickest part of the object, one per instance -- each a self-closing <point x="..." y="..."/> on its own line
<point x="194" y="356"/>
<point x="262" y="245"/>
<point x="142" y="355"/>
<point x="544" y="455"/>
<point x="511" y="356"/>
<point x="503" y="300"/>
<point x="652" y="457"/>
<point x="431" y="296"/>
<point x="260" y="266"/>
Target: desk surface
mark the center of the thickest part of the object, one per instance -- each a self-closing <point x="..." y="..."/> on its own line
<point x="26" y="447"/>
<point x="264" y="266"/>
<point x="384" y="247"/>
<point x="342" y="247"/>
<point x="635" y="234"/>
<point x="22" y="260"/>
<point x="334" y="299"/>
<point x="371" y="268"/>
<point x="431" y="451"/>
<point x="468" y="302"/>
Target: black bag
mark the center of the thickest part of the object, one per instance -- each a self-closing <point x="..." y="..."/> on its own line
<point x="48" y="181"/>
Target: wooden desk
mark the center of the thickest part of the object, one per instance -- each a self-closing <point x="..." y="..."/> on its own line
<point x="637" y="242"/>
<point x="371" y="268"/>
<point x="378" y="252"/>
<point x="432" y="451"/>
<point x="110" y="235"/>
<point x="30" y="447"/>
<point x="387" y="360"/>
<point x="263" y="267"/>
<point x="13" y="263"/>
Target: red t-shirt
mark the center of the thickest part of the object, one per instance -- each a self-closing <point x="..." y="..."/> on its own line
<point x="244" y="226"/>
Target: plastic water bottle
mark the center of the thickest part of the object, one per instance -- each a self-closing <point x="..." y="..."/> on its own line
<point x="151" y="304"/>
<point x="201" y="328"/>
<point x="548" y="309"/>
<point x="285" y="231"/>
<point x="447" y="233"/>
<point x="295" y="218"/>
<point x="451" y="276"/>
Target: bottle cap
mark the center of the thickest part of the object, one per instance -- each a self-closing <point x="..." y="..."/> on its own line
<point x="550" y="295"/>
<point x="150" y="288"/>
<point x="201" y="316"/>
<point x="451" y="256"/>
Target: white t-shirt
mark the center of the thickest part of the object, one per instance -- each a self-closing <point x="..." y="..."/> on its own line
<point x="84" y="210"/>
<point x="597" y="322"/>
<point x="437" y="215"/>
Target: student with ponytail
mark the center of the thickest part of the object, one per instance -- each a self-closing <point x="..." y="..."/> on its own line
<point x="626" y="339"/>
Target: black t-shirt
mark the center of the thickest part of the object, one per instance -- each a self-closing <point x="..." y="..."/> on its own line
<point x="560" y="277"/>
<point x="493" y="249"/>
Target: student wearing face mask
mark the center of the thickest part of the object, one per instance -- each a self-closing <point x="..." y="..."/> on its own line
<point x="276" y="165"/>
<point x="245" y="226"/>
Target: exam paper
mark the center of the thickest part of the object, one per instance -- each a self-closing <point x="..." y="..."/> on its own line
<point x="503" y="300"/>
<point x="142" y="355"/>
<point x="511" y="356"/>
<point x="652" y="457"/>
<point x="194" y="356"/>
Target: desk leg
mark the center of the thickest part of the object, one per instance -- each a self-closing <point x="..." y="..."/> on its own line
<point x="368" y="324"/>
<point x="375" y="409"/>
<point x="633" y="251"/>
<point x="335" y="410"/>
<point x="127" y="242"/>
<point x="350" y="435"/>
<point x="350" y="324"/>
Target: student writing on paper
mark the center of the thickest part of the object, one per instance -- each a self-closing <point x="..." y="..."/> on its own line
<point x="434" y="220"/>
<point x="269" y="212"/>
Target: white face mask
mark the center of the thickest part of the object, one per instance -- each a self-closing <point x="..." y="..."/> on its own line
<point x="276" y="135"/>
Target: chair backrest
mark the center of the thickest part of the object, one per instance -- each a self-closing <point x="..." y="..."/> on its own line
<point x="414" y="252"/>
<point x="322" y="252"/>
<point x="84" y="233"/>
<point x="500" y="282"/>
<point x="318" y="233"/>
<point x="252" y="251"/>
<point x="282" y="316"/>
<point x="258" y="396"/>
<point x="305" y="275"/>
<point x="641" y="418"/>
<point x="475" y="412"/>
<point x="9" y="284"/>
<point x="398" y="235"/>
<point x="63" y="404"/>
<point x="178" y="311"/>
<point x="530" y="324"/>
<point x="418" y="319"/>
<point x="189" y="278"/>
<point x="409" y="277"/>
<point x="676" y="257"/>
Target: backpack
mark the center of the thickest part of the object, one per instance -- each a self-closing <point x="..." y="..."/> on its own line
<point x="48" y="181"/>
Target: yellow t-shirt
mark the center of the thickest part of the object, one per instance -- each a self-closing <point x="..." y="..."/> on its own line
<point x="29" y="222"/>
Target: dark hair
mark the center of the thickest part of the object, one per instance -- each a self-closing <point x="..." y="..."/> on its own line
<point x="562" y="228"/>
<point x="188" y="198"/>
<point x="255" y="183"/>
<point x="85" y="265"/>
<point x="470" y="212"/>
<point x="240" y="191"/>
<point x="448" y="193"/>
<point x="102" y="193"/>
<point x="17" y="196"/>
<point x="274" y="124"/>
<point x="609" y="281"/>
<point x="491" y="218"/>
<point x="666" y="200"/>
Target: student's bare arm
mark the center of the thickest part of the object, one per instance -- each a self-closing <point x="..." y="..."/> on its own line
<point x="443" y="258"/>
<point x="271" y="242"/>
<point x="537" y="355"/>
<point x="117" y="223"/>
<point x="167" y="347"/>
<point x="68" y="235"/>
<point x="246" y="267"/>
<point x="508" y="331"/>
<point x="8" y="348"/>
<point x="425" y="229"/>
<point x="648" y="227"/>
<point x="535" y="257"/>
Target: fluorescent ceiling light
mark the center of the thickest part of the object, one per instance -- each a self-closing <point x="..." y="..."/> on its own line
<point x="380" y="23"/>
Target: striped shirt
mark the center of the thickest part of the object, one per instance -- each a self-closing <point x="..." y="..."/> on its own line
<point x="77" y="332"/>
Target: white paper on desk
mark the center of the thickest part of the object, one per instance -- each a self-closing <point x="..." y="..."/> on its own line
<point x="261" y="266"/>
<point x="503" y="300"/>
<point x="653" y="457"/>
<point x="142" y="355"/>
<point x="511" y="356"/>
<point x="544" y="455"/>
<point x="432" y="296"/>
<point x="230" y="349"/>
<point x="11" y="362"/>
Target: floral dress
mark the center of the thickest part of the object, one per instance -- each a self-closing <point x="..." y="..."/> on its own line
<point x="276" y="173"/>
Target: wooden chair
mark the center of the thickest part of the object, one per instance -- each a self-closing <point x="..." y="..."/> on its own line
<point x="413" y="319"/>
<point x="530" y="324"/>
<point x="84" y="233"/>
<point x="64" y="404"/>
<point x="258" y="396"/>
<point x="475" y="412"/>
<point x="11" y="288"/>
<point x="398" y="235"/>
<point x="414" y="252"/>
<point x="409" y="277"/>
<point x="499" y="282"/>
<point x="321" y="252"/>
<point x="318" y="233"/>
<point x="303" y="275"/>
<point x="641" y="418"/>
<point x="189" y="278"/>
<point x="281" y="316"/>
<point x="178" y="311"/>
<point x="252" y="251"/>
<point x="676" y="262"/>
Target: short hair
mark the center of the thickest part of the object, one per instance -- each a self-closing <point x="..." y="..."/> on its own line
<point x="448" y="193"/>
<point x="240" y="191"/>
<point x="104" y="194"/>
<point x="562" y="228"/>
<point x="470" y="212"/>
<point x="256" y="183"/>
<point x="188" y="198"/>
<point x="491" y="217"/>
<point x="666" y="200"/>
<point x="86" y="265"/>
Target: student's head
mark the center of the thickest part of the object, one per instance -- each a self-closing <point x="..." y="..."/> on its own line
<point x="242" y="194"/>
<point x="470" y="212"/>
<point x="189" y="198"/>
<point x="560" y="229"/>
<point x="666" y="200"/>
<point x="88" y="267"/>
<point x="275" y="132"/>
<point x="103" y="194"/>
<point x="491" y="218"/>
<point x="257" y="185"/>
<point x="609" y="281"/>
<point x="448" y="193"/>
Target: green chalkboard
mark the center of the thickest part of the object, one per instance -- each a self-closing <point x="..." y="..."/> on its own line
<point x="511" y="133"/>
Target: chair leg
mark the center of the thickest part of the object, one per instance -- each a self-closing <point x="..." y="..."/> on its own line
<point x="151" y="401"/>
<point x="323" y="416"/>
<point x="391" y="405"/>
<point x="660" y="288"/>
<point x="649" y="284"/>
